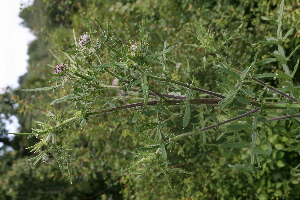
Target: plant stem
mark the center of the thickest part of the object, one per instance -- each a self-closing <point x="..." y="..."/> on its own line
<point x="285" y="117"/>
<point x="215" y="125"/>
<point x="275" y="90"/>
<point x="187" y="86"/>
<point x="271" y="88"/>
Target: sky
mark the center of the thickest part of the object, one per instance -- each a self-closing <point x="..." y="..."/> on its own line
<point x="13" y="46"/>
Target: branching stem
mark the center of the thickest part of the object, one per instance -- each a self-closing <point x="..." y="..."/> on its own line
<point x="275" y="90"/>
<point x="215" y="125"/>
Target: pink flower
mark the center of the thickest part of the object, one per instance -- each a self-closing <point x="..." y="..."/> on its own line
<point x="59" y="68"/>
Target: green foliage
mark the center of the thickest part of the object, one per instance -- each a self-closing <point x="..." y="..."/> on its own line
<point x="210" y="110"/>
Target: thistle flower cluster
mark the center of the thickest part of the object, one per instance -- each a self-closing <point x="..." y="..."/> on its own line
<point x="47" y="158"/>
<point x="134" y="46"/>
<point x="84" y="39"/>
<point x="59" y="68"/>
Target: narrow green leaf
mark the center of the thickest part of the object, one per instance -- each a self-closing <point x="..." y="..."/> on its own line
<point x="63" y="99"/>
<point x="83" y="77"/>
<point x="289" y="32"/>
<point x="244" y="73"/>
<point x="22" y="133"/>
<point x="230" y="72"/>
<point x="85" y="19"/>
<point x="248" y="92"/>
<point x="163" y="151"/>
<point x="40" y="89"/>
<point x="280" y="58"/>
<point x="224" y="102"/>
<point x="237" y="145"/>
<point x="295" y="69"/>
<point x="279" y="31"/>
<point x="294" y="51"/>
<point x="238" y="127"/>
<point x="265" y="75"/>
<point x="247" y="167"/>
<point x="122" y="64"/>
<point x="57" y="58"/>
<point x="268" y="42"/>
<point x="284" y="76"/>
<point x="70" y="58"/>
<point x="158" y="133"/>
<point x="265" y="61"/>
<point x="187" y="115"/>
<point x="225" y="79"/>
<point x="221" y="135"/>
<point x="256" y="150"/>
<point x="242" y="100"/>
<point x="145" y="88"/>
<point x="268" y="19"/>
<point x="166" y="50"/>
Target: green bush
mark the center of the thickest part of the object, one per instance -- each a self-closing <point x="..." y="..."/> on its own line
<point x="210" y="91"/>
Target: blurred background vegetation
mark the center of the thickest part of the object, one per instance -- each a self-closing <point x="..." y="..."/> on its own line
<point x="103" y="151"/>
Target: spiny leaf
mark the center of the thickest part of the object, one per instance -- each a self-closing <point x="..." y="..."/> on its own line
<point x="248" y="92"/>
<point x="244" y="73"/>
<point x="265" y="75"/>
<point x="226" y="80"/>
<point x="40" y="89"/>
<point x="242" y="100"/>
<point x="265" y="61"/>
<point x="63" y="99"/>
<point x="224" y="102"/>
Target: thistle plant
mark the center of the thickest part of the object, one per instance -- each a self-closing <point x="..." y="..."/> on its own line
<point x="101" y="65"/>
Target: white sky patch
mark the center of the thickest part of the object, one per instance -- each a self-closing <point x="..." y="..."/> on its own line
<point x="14" y="40"/>
<point x="13" y="43"/>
